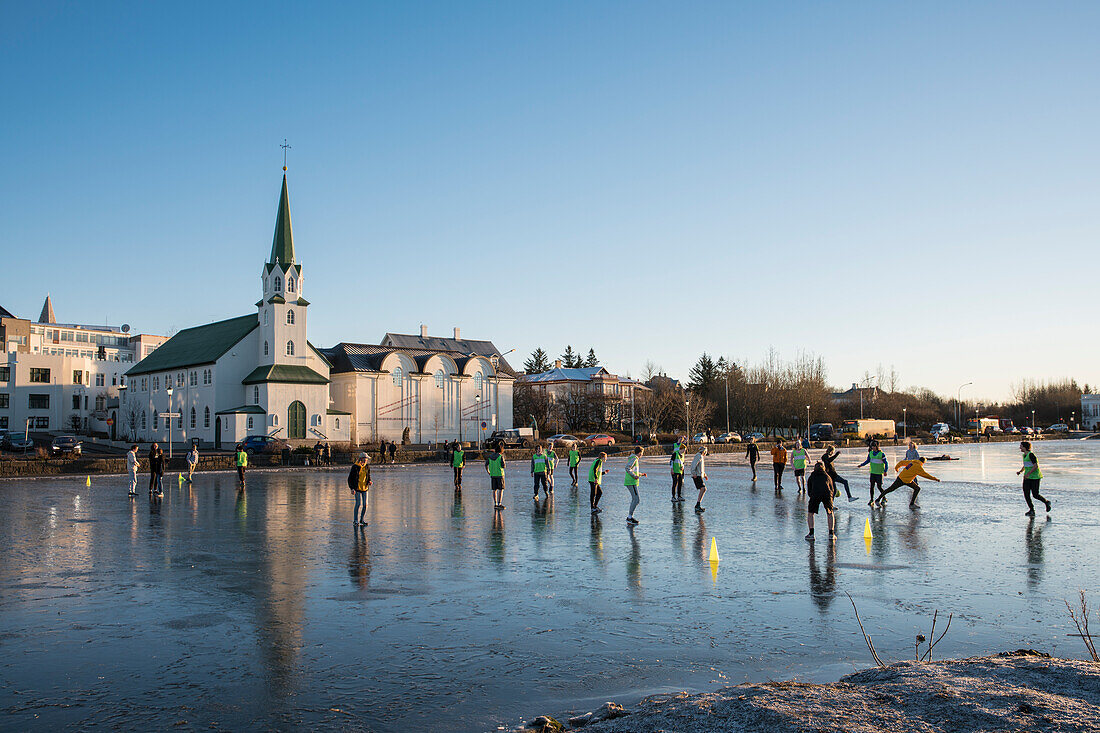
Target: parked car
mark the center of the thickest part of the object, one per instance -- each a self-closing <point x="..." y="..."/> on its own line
<point x="599" y="439"/>
<point x="1058" y="427"/>
<point x="66" y="445"/>
<point x="514" y="438"/>
<point x="254" y="444"/>
<point x="700" y="438"/>
<point x="18" y="441"/>
<point x="728" y="438"/>
<point x="1027" y="431"/>
<point x="1012" y="430"/>
<point x="822" y="431"/>
<point x="562" y="440"/>
<point x="940" y="430"/>
<point x="759" y="436"/>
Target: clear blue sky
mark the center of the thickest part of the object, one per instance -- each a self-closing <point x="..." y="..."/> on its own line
<point x="650" y="179"/>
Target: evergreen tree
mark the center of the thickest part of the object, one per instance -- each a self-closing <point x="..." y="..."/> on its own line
<point x="570" y="359"/>
<point x="591" y="361"/>
<point x="538" y="362"/>
<point x="704" y="375"/>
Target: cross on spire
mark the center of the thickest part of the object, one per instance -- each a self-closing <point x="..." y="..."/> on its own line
<point x="285" y="147"/>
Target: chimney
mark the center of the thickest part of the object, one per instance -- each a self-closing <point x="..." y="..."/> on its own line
<point x="855" y="386"/>
<point x="423" y="331"/>
<point x="557" y="363"/>
<point x="458" y="333"/>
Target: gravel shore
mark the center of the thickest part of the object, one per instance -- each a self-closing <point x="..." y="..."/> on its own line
<point x="1013" y="691"/>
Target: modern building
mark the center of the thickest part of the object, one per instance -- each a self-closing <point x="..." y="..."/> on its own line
<point x="426" y="389"/>
<point x="603" y="397"/>
<point x="1090" y="411"/>
<point x="60" y="377"/>
<point x="254" y="374"/>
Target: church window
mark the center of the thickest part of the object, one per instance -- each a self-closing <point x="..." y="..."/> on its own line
<point x="192" y="418"/>
<point x="143" y="419"/>
<point x="337" y="423"/>
<point x="249" y="423"/>
<point x="290" y="285"/>
<point x="194" y="379"/>
<point x="256" y="395"/>
<point x="265" y="348"/>
<point x="290" y="348"/>
<point x="156" y="383"/>
<point x="265" y="316"/>
<point x="439" y="379"/>
<point x="290" y="318"/>
<point x="398" y="375"/>
<point x="206" y="417"/>
<point x="477" y="381"/>
<point x="278" y="284"/>
<point x="156" y="420"/>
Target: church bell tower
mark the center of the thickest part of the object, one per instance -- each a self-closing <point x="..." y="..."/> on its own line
<point x="282" y="310"/>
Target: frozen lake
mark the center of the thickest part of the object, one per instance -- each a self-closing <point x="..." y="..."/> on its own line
<point x="268" y="609"/>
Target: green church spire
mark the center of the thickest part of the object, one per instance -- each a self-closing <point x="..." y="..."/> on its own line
<point x="282" y="246"/>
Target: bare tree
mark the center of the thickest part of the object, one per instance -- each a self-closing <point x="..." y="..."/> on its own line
<point x="650" y="370"/>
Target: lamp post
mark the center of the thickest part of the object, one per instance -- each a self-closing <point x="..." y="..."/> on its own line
<point x="958" y="404"/>
<point x="1071" y="418"/>
<point x="687" y="407"/>
<point x="904" y="424"/>
<point x="632" y="411"/>
<point x="477" y="400"/>
<point x="727" y="400"/>
<point x="169" y="422"/>
<point x="1033" y="421"/>
<point x="977" y="426"/>
<point x="807" y="422"/>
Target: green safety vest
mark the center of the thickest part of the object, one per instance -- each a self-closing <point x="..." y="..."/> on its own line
<point x="1031" y="468"/>
<point x="595" y="473"/>
<point x="677" y="460"/>
<point x="551" y="460"/>
<point x="496" y="467"/>
<point x="242" y="458"/>
<point x="798" y="455"/>
<point x="878" y="462"/>
<point x="458" y="460"/>
<point x="574" y="458"/>
<point x="631" y="480"/>
<point x="539" y="463"/>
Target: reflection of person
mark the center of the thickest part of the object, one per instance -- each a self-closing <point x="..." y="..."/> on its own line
<point x="1034" y="541"/>
<point x="1032" y="476"/>
<point x="820" y="491"/>
<point x="631" y="480"/>
<point x="823" y="586"/>
<point x="132" y="463"/>
<point x="699" y="477"/>
<point x="753" y="452"/>
<point x="596" y="472"/>
<point x="494" y="466"/>
<point x="359" y="562"/>
<point x="779" y="462"/>
<point x="907" y="476"/>
<point x="359" y="482"/>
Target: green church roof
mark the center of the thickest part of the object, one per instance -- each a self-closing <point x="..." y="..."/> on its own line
<point x="243" y="410"/>
<point x="285" y="373"/>
<point x="282" y="245"/>
<point x="198" y="345"/>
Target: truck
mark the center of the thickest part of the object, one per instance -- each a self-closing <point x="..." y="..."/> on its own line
<point x="514" y="438"/>
<point x="868" y="429"/>
<point x="822" y="431"/>
<point x="984" y="425"/>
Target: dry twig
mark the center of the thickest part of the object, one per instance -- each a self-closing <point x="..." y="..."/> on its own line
<point x="1082" y="624"/>
<point x="866" y="638"/>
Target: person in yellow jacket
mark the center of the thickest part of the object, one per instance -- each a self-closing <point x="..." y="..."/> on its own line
<point x="908" y="471"/>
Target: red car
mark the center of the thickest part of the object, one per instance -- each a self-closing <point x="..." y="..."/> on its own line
<point x="600" y="439"/>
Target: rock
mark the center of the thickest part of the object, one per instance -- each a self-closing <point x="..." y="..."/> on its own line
<point x="545" y="724"/>
<point x="582" y="720"/>
<point x="610" y="710"/>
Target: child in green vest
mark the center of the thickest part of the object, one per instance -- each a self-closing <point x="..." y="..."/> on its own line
<point x="633" y="477"/>
<point x="574" y="462"/>
<point x="596" y="472"/>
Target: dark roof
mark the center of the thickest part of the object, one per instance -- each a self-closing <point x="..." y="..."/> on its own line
<point x="247" y="409"/>
<point x="282" y="244"/>
<point x="439" y="343"/>
<point x="4" y="313"/>
<point x="198" y="345"/>
<point x="331" y="411"/>
<point x="565" y="374"/>
<point x="346" y="357"/>
<point x="285" y="373"/>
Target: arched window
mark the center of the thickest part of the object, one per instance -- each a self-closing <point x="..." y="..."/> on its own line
<point x="265" y="316"/>
<point x="143" y="419"/>
<point x="156" y="420"/>
<point x="290" y="318"/>
<point x="249" y="422"/>
<point x="256" y="395"/>
<point x="290" y="348"/>
<point x="192" y="418"/>
<point x="337" y="423"/>
<point x="206" y="417"/>
<point x="398" y="375"/>
<point x="265" y="348"/>
<point x="477" y="381"/>
<point x="439" y="379"/>
<point x="290" y="285"/>
<point x="278" y="284"/>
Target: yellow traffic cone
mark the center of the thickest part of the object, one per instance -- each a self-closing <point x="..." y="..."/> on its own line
<point x="867" y="530"/>
<point x="714" y="550"/>
<point x="88" y="481"/>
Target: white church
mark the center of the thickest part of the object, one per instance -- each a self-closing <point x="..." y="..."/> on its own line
<point x="259" y="375"/>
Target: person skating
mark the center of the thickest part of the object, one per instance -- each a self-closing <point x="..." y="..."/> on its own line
<point x="132" y="464"/>
<point x="494" y="466"/>
<point x="631" y="480"/>
<point x="1032" y="475"/>
<point x="458" y="462"/>
<point x="596" y="472"/>
<point x="699" y="477"/>
<point x="156" y="470"/>
<point x="908" y="471"/>
<point x="911" y="452"/>
<point x="551" y="464"/>
<point x="820" y="491"/>
<point x="538" y="472"/>
<point x="753" y="453"/>
<point x="831" y="454"/>
<point x="242" y="463"/>
<point x="879" y="464"/>
<point x="192" y="462"/>
<point x="393" y="452"/>
<point x="359" y="482"/>
<point x="677" y="463"/>
<point x="574" y="462"/>
<point x="779" y="462"/>
<point x="799" y="456"/>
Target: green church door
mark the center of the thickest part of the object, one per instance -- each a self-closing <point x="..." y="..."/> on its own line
<point x="296" y="421"/>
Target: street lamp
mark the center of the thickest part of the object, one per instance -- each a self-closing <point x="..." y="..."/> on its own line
<point x="1033" y="421"/>
<point x="687" y="407"/>
<point x="1071" y="414"/>
<point x="807" y="422"/>
<point x="727" y="400"/>
<point x="477" y="399"/>
<point x="958" y="404"/>
<point x="977" y="425"/>
<point x="169" y="423"/>
<point x="904" y="424"/>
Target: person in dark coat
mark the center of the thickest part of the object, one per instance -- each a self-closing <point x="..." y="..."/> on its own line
<point x="156" y="469"/>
